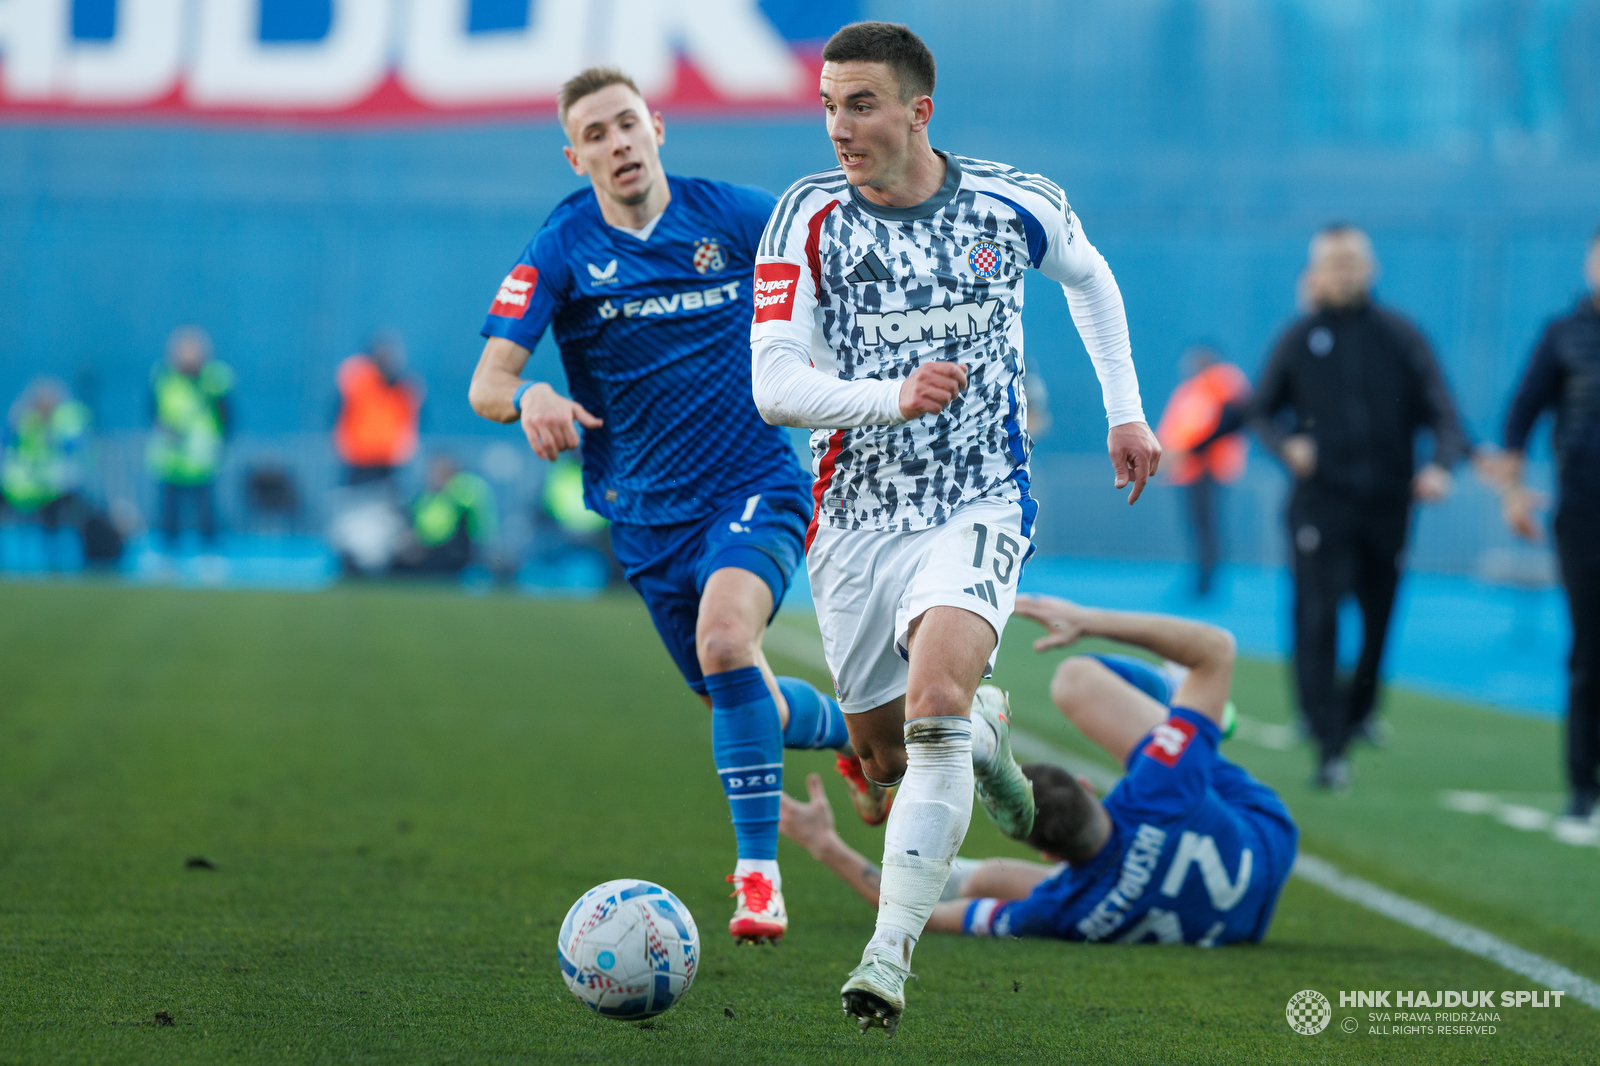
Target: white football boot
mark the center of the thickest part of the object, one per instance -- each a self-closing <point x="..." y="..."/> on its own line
<point x="758" y="913"/>
<point x="875" y="994"/>
<point x="1004" y="792"/>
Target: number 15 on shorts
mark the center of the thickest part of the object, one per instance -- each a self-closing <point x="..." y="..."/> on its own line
<point x="994" y="551"/>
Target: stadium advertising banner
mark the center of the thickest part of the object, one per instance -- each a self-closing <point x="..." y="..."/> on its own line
<point x="362" y="61"/>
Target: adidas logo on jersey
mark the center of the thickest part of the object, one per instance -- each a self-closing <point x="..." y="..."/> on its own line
<point x="897" y="327"/>
<point x="984" y="590"/>
<point x="870" y="269"/>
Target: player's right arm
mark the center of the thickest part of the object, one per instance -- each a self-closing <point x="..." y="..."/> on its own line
<point x="523" y="307"/>
<point x="1207" y="650"/>
<point x="790" y="391"/>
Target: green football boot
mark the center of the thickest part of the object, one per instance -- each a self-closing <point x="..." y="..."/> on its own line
<point x="875" y="994"/>
<point x="1006" y="795"/>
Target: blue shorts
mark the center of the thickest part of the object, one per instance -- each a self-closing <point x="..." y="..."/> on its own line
<point x="669" y="565"/>
<point x="1263" y="809"/>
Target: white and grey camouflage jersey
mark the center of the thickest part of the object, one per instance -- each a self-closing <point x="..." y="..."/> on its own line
<point x="866" y="294"/>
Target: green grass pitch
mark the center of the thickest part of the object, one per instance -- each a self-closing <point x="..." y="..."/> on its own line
<point x="402" y="791"/>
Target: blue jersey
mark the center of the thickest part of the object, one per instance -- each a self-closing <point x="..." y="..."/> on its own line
<point x="1198" y="853"/>
<point x="655" y="340"/>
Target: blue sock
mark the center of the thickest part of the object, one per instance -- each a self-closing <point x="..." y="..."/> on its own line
<point x="815" y="720"/>
<point x="748" y="744"/>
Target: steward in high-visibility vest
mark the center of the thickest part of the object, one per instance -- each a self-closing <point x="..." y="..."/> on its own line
<point x="562" y="498"/>
<point x="43" y="448"/>
<point x="378" y="413"/>
<point x="454" y="513"/>
<point x="1203" y="458"/>
<point x="1193" y="414"/>
<point x="189" y="392"/>
<point x="191" y="421"/>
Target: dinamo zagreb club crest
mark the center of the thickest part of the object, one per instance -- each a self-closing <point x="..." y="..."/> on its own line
<point x="984" y="259"/>
<point x="708" y="257"/>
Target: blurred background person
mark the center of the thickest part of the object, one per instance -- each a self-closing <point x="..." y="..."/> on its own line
<point x="1341" y="401"/>
<point x="563" y="524"/>
<point x="42" y="472"/>
<point x="379" y="409"/>
<point x="453" y="521"/>
<point x="190" y="398"/>
<point x="1202" y="458"/>
<point x="1563" y="376"/>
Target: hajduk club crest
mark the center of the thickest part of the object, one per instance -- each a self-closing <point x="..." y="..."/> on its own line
<point x="984" y="259"/>
<point x="708" y="257"/>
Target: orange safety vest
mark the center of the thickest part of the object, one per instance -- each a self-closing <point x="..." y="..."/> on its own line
<point x="1192" y="415"/>
<point x="377" y="421"/>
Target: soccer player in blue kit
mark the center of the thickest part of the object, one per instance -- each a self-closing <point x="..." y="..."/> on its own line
<point x="645" y="279"/>
<point x="1186" y="848"/>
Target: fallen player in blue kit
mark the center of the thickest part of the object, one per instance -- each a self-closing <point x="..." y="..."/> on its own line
<point x="1186" y="848"/>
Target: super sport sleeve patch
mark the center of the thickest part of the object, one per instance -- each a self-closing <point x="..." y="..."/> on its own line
<point x="1169" y="740"/>
<point x="776" y="286"/>
<point x="516" y="291"/>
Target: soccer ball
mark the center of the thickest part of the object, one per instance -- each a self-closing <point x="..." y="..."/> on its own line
<point x="628" y="949"/>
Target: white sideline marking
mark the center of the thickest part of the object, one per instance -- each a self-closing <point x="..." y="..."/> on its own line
<point x="1266" y="734"/>
<point x="1457" y="934"/>
<point x="808" y="649"/>
<point x="1580" y="833"/>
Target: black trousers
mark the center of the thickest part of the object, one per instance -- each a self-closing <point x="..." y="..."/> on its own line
<point x="201" y="499"/>
<point x="1203" y="493"/>
<point x="1578" y="547"/>
<point x="1342" y="546"/>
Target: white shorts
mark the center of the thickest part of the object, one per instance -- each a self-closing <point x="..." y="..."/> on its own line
<point x="870" y="586"/>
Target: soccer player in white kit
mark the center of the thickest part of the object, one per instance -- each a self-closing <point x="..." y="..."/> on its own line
<point x="888" y="320"/>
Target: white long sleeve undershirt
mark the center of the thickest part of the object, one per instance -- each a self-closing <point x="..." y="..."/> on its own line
<point x="789" y="391"/>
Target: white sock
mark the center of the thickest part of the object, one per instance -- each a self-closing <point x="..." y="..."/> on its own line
<point x="984" y="741"/>
<point x="927" y="824"/>
<point x="767" y="868"/>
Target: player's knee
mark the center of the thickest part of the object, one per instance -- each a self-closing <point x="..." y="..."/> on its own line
<point x="724" y="647"/>
<point x="1071" y="680"/>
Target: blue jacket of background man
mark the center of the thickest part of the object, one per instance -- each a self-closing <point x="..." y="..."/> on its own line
<point x="1198" y="853"/>
<point x="655" y="339"/>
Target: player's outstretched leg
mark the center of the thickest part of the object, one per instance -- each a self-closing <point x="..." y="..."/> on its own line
<point x="747" y="740"/>
<point x="925" y="831"/>
<point x="1006" y="795"/>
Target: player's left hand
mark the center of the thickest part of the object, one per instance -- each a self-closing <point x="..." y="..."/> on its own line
<point x="1066" y="621"/>
<point x="1135" y="456"/>
<point x="1431" y="484"/>
<point x="808" y="824"/>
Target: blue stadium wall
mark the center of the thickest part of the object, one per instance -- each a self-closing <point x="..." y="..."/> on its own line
<point x="1201" y="142"/>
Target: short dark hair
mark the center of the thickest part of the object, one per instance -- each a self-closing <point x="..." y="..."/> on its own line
<point x="587" y="82"/>
<point x="1064" y="823"/>
<point x="886" y="42"/>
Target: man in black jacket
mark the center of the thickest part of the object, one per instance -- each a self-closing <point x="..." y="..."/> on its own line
<point x="1341" y="401"/>
<point x="1564" y="374"/>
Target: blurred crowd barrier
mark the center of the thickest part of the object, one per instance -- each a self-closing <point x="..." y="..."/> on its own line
<point x="1081" y="515"/>
<point x="289" y="485"/>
